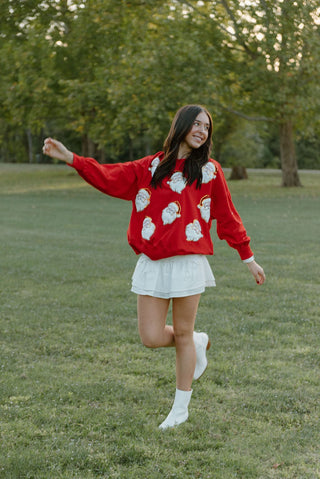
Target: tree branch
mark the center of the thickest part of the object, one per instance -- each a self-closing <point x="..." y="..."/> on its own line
<point x="243" y="115"/>
<point x="267" y="10"/>
<point x="221" y="27"/>
<point x="238" y="35"/>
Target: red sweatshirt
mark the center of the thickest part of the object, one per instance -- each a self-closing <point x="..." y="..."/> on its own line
<point x="174" y="219"/>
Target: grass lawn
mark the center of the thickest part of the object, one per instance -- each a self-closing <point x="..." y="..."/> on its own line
<point x="80" y="397"/>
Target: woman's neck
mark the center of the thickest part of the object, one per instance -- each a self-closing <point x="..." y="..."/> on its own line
<point x="184" y="150"/>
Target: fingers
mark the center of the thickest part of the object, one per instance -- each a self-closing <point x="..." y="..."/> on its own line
<point x="260" y="277"/>
<point x="50" y="146"/>
<point x="48" y="142"/>
<point x="257" y="272"/>
<point x="56" y="149"/>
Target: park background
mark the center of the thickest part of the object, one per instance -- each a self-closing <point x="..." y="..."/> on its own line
<point x="106" y="77"/>
<point x="80" y="397"/>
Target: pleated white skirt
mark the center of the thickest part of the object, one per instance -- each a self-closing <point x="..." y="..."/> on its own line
<point x="173" y="277"/>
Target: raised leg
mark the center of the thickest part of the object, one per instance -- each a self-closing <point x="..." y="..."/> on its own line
<point x="152" y="316"/>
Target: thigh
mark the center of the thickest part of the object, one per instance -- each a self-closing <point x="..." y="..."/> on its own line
<point x="152" y="314"/>
<point x="184" y="311"/>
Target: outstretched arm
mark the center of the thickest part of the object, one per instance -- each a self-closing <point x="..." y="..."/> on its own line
<point x="57" y="150"/>
<point x="257" y="272"/>
<point x="115" y="179"/>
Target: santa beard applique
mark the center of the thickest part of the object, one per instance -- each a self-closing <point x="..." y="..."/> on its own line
<point x="209" y="172"/>
<point x="148" y="228"/>
<point x="142" y="199"/>
<point x="177" y="182"/>
<point x="204" y="207"/>
<point x="193" y="231"/>
<point x="171" y="213"/>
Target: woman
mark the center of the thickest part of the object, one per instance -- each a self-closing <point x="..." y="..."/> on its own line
<point x="175" y="196"/>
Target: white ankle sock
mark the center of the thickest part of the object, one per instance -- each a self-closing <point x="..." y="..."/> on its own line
<point x="179" y="412"/>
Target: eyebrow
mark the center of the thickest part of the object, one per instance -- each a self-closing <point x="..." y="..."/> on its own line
<point x="199" y="121"/>
<point x="207" y="123"/>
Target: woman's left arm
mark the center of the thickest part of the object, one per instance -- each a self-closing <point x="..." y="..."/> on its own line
<point x="257" y="272"/>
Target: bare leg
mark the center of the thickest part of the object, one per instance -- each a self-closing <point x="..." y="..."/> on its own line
<point x="184" y="312"/>
<point x="152" y="316"/>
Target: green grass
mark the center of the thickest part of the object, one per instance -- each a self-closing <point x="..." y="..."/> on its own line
<point x="80" y="397"/>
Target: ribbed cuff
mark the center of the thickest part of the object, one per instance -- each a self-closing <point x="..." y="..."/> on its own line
<point x="249" y="260"/>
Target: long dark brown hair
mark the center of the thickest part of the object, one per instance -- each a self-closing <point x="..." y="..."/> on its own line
<point x="180" y="127"/>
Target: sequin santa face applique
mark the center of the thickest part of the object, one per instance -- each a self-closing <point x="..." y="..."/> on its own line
<point x="204" y="207"/>
<point x="171" y="212"/>
<point x="177" y="182"/>
<point x="209" y="172"/>
<point x="155" y="162"/>
<point x="142" y="199"/>
<point x="148" y="228"/>
<point x="193" y="231"/>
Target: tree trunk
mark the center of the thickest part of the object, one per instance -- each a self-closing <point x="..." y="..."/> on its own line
<point x="130" y="149"/>
<point x="84" y="144"/>
<point x="30" y="148"/>
<point x="88" y="147"/>
<point x="101" y="155"/>
<point x="289" y="166"/>
<point x="238" y="173"/>
<point x="147" y="145"/>
<point x="92" y="148"/>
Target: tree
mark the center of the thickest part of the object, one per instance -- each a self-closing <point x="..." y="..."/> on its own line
<point x="114" y="72"/>
<point x="137" y="69"/>
<point x="27" y="79"/>
<point x="270" y="64"/>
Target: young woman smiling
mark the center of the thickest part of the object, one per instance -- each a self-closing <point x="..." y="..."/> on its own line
<point x="176" y="194"/>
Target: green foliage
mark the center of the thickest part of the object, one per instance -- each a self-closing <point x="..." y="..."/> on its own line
<point x="308" y="150"/>
<point x="244" y="146"/>
<point x="112" y="73"/>
<point x="80" y="397"/>
<point x="273" y="45"/>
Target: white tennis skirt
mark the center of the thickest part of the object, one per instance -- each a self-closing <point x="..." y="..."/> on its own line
<point x="172" y="277"/>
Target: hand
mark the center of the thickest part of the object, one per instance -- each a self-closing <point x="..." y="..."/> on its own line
<point x="257" y="272"/>
<point x="57" y="150"/>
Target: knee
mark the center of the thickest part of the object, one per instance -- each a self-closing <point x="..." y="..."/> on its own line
<point x="183" y="337"/>
<point x="149" y="344"/>
<point x="149" y="341"/>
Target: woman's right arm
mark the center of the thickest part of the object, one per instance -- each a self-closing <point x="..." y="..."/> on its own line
<point x="57" y="150"/>
<point x="114" y="179"/>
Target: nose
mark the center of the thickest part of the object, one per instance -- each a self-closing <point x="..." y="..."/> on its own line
<point x="202" y="129"/>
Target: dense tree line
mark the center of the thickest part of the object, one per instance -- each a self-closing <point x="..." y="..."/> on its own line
<point x="106" y="76"/>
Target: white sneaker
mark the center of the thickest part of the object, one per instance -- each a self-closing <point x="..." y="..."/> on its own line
<point x="202" y="344"/>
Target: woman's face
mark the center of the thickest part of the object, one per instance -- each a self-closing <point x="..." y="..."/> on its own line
<point x="198" y="134"/>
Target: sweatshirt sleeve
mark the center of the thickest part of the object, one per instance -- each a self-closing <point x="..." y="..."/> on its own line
<point x="229" y="224"/>
<point x="114" y="179"/>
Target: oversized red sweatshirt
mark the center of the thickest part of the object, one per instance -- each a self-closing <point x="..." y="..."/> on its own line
<point x="175" y="218"/>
